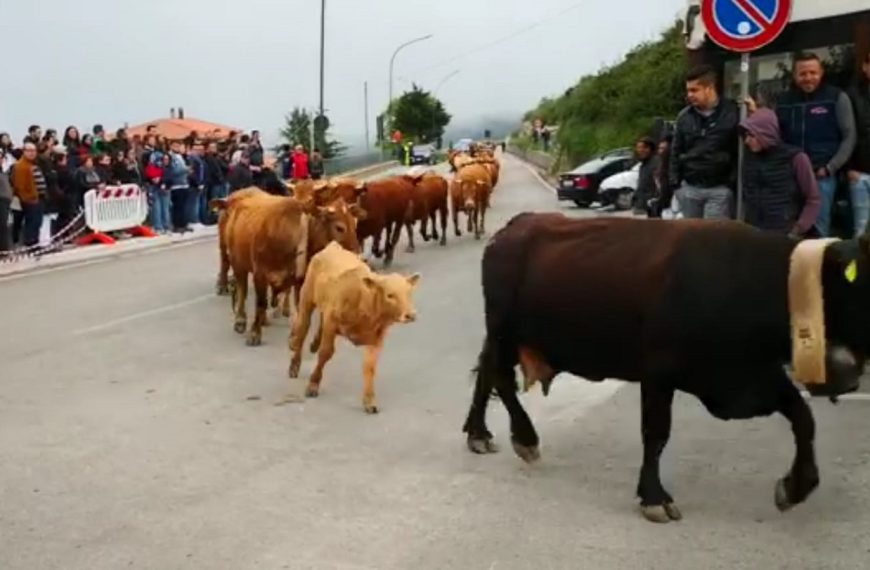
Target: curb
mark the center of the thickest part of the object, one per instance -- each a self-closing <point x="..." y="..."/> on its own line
<point x="105" y="253"/>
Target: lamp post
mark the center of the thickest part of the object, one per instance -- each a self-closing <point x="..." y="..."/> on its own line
<point x="392" y="60"/>
<point x="322" y="45"/>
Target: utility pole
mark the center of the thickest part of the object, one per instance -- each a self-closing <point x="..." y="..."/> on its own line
<point x="322" y="45"/>
<point x="366" y="103"/>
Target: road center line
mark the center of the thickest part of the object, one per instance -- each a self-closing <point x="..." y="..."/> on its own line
<point x="142" y="315"/>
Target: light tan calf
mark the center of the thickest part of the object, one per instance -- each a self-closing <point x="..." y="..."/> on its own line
<point x="355" y="303"/>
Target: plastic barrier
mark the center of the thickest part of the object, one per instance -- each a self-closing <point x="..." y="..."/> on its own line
<point x="115" y="209"/>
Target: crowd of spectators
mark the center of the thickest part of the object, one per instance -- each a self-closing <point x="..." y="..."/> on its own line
<point x="50" y="174"/>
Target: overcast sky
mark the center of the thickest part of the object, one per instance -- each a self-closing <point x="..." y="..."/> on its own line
<point x="246" y="63"/>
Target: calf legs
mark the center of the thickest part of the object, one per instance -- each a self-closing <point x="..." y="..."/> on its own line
<point x="370" y="365"/>
<point x="324" y="354"/>
<point x="656" y="401"/>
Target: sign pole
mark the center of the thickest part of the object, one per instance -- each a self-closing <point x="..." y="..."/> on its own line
<point x="744" y="26"/>
<point x="741" y="148"/>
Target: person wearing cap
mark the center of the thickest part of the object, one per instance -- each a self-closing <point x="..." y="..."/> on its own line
<point x="780" y="189"/>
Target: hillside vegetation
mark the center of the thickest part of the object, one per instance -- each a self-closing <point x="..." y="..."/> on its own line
<point x="619" y="103"/>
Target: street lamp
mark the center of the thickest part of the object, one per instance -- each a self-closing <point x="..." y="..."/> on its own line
<point x="393" y="59"/>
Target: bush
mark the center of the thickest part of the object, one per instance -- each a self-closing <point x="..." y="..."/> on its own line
<point x="620" y="103"/>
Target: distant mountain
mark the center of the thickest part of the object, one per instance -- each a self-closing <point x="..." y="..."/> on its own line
<point x="499" y="127"/>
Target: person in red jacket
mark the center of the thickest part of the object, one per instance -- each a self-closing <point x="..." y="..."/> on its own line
<point x="300" y="163"/>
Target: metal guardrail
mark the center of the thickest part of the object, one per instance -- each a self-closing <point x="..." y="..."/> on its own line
<point x="540" y="159"/>
<point x="354" y="162"/>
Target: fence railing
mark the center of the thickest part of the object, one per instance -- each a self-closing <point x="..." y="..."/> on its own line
<point x="341" y="164"/>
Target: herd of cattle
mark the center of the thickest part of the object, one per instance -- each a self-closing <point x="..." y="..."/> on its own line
<point x="309" y="245"/>
<point x="702" y="307"/>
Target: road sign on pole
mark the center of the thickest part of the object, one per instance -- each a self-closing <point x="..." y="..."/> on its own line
<point x="744" y="26"/>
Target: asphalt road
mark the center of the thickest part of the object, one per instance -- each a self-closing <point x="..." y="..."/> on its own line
<point x="138" y="431"/>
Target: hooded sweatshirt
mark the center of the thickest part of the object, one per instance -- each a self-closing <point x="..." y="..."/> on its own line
<point x="764" y="126"/>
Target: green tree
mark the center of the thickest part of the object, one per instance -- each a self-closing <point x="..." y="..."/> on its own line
<point x="297" y="130"/>
<point x="419" y="115"/>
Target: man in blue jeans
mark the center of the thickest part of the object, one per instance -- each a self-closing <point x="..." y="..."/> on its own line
<point x="818" y="119"/>
<point x="859" y="167"/>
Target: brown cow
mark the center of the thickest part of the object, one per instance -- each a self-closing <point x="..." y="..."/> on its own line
<point x="387" y="204"/>
<point x="272" y="237"/>
<point x="428" y="198"/>
<point x="435" y="190"/>
<point x="354" y="303"/>
<point x="470" y="193"/>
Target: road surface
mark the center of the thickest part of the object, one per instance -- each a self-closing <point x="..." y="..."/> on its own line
<point x="138" y="431"/>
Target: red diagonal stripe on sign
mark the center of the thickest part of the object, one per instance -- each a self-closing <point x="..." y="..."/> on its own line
<point x="753" y="12"/>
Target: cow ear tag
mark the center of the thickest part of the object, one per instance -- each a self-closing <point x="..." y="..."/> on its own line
<point x="851" y="271"/>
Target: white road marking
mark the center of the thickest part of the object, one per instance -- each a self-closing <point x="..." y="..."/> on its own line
<point x="534" y="172"/>
<point x="854" y="397"/>
<point x="142" y="315"/>
<point x="74" y="264"/>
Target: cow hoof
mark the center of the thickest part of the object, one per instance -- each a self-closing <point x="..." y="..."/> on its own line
<point x="780" y="497"/>
<point x="529" y="454"/>
<point x="294" y="370"/>
<point x="254" y="340"/>
<point x="239" y="327"/>
<point x="410" y="249"/>
<point x="370" y="408"/>
<point x="221" y="290"/>
<point x="312" y="391"/>
<point x="278" y="313"/>
<point x="661" y="513"/>
<point x="482" y="445"/>
<point x="457" y="234"/>
<point x="443" y="242"/>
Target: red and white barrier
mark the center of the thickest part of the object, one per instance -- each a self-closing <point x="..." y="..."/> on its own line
<point x="115" y="209"/>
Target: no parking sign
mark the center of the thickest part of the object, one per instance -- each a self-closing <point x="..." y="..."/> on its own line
<point x="745" y="25"/>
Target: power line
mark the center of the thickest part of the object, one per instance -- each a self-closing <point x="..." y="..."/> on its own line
<point x="503" y="39"/>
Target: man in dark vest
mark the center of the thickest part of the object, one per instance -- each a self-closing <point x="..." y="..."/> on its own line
<point x="779" y="186"/>
<point x="818" y="119"/>
<point x="859" y="167"/>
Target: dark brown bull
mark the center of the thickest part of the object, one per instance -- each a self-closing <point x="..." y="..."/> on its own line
<point x="696" y="306"/>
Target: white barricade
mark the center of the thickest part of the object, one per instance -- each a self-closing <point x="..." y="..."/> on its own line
<point x="116" y="208"/>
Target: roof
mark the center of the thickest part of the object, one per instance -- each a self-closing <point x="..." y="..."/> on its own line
<point x="177" y="129"/>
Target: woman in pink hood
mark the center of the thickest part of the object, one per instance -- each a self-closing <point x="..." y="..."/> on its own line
<point x="779" y="187"/>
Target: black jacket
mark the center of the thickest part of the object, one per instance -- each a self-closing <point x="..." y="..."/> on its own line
<point x="860" y="95"/>
<point x="240" y="177"/>
<point x="704" y="149"/>
<point x="215" y="170"/>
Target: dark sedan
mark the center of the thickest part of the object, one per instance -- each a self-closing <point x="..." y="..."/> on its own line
<point x="581" y="184"/>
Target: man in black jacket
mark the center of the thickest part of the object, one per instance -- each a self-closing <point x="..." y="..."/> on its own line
<point x="703" y="165"/>
<point x="645" y="151"/>
<point x="859" y="166"/>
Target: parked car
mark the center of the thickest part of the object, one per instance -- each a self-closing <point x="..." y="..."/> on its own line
<point x="423" y="154"/>
<point x="463" y="145"/>
<point x="581" y="184"/>
<point x="620" y="188"/>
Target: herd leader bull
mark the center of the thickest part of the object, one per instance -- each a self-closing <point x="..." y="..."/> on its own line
<point x="696" y="306"/>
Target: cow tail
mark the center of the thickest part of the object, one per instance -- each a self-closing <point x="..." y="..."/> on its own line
<point x="502" y="271"/>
